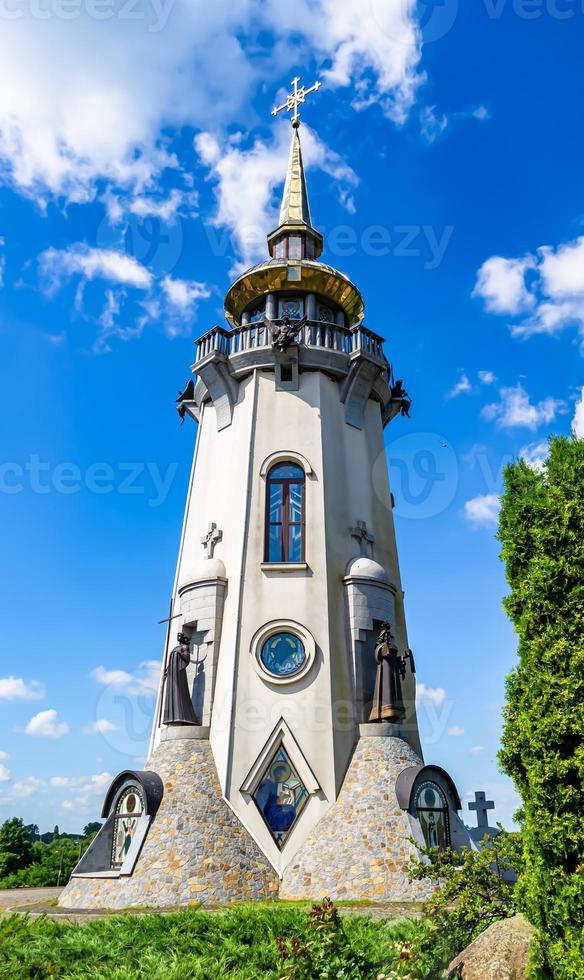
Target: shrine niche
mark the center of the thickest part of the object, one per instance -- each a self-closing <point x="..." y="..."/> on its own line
<point x="130" y="805"/>
<point x="431" y="799"/>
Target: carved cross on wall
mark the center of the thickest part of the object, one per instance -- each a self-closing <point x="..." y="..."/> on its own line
<point x="481" y="805"/>
<point x="210" y="539"/>
<point x="364" y="537"/>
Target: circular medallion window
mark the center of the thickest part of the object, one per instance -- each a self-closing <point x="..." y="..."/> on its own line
<point x="282" y="651"/>
<point x="283" y="654"/>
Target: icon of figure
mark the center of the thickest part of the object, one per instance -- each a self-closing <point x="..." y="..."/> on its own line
<point x="432" y="831"/>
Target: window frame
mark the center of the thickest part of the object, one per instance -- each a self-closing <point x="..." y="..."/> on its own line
<point x="285" y="523"/>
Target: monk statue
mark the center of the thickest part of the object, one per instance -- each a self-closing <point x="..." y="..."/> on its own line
<point x="178" y="705"/>
<point x="388" y="702"/>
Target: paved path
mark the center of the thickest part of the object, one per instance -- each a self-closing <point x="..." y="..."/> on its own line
<point x="42" y="901"/>
<point x="13" y="898"/>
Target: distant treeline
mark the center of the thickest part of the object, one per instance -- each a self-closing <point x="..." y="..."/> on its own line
<point x="29" y="859"/>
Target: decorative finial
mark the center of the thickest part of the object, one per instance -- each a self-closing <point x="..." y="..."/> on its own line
<point x="297" y="97"/>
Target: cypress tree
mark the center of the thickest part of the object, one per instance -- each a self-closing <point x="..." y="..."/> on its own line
<point x="542" y="532"/>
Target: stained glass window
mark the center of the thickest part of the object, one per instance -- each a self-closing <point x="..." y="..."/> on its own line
<point x="281" y="796"/>
<point x="285" y="514"/>
<point x="129" y="809"/>
<point x="432" y="811"/>
<point x="293" y="308"/>
<point x="283" y="654"/>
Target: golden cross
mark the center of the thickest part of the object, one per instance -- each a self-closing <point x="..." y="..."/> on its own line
<point x="296" y="98"/>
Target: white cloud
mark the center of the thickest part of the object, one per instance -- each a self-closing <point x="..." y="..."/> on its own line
<point x="4" y="773"/>
<point x="461" y="387"/>
<point x="87" y="785"/>
<point x="183" y="294"/>
<point x="117" y="678"/>
<point x="147" y="678"/>
<point x="16" y="689"/>
<point x="456" y="731"/>
<point x="483" y="510"/>
<point x="67" y="805"/>
<point x="246" y="181"/>
<point x="555" y="297"/>
<point x="578" y="420"/>
<point x="58" y="265"/>
<point x="431" y="695"/>
<point x="501" y="283"/>
<point x="432" y="124"/>
<point x="144" y="680"/>
<point x="100" y="727"/>
<point x="562" y="270"/>
<point x="477" y="750"/>
<point x="4" y="756"/>
<point x="46" y="725"/>
<point x="121" y="81"/>
<point x="535" y="454"/>
<point x="85" y="790"/>
<point x="170" y="301"/>
<point x="487" y="377"/>
<point x="481" y="113"/>
<point x="23" y="788"/>
<point x="515" y="410"/>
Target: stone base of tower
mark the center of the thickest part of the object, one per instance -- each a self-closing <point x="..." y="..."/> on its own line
<point x="360" y="849"/>
<point x="196" y="850"/>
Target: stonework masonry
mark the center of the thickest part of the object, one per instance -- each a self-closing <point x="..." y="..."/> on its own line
<point x="360" y="850"/>
<point x="196" y="850"/>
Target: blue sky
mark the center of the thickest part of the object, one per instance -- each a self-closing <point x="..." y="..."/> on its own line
<point x="140" y="169"/>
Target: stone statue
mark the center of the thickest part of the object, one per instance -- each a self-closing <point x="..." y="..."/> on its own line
<point x="285" y="335"/>
<point x="399" y="393"/>
<point x="178" y="705"/>
<point x="388" y="702"/>
<point x="187" y="395"/>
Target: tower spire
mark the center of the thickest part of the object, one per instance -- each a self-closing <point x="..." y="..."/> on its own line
<point x="295" y="237"/>
<point x="295" y="208"/>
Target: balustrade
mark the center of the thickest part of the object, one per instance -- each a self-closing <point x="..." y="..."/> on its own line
<point x="327" y="336"/>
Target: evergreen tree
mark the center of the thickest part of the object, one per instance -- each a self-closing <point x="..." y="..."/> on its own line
<point x="542" y="531"/>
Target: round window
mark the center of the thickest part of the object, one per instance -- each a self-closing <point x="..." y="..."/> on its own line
<point x="283" y="654"/>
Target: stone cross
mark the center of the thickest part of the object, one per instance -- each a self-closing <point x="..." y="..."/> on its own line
<point x="210" y="539"/>
<point x="481" y="805"/>
<point x="364" y="537"/>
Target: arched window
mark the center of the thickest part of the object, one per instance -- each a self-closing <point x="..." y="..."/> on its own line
<point x="285" y="516"/>
<point x="432" y="811"/>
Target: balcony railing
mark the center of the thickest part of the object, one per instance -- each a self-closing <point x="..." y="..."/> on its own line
<point x="327" y="336"/>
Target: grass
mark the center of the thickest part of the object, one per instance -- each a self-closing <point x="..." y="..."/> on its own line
<point x="192" y="944"/>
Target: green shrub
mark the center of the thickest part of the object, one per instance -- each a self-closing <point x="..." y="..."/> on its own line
<point x="473" y="892"/>
<point x="542" y="531"/>
<point x="322" y="950"/>
<point x="240" y="943"/>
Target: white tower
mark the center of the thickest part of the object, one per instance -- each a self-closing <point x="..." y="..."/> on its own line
<point x="287" y="571"/>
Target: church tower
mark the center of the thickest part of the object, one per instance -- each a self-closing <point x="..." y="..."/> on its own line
<point x="285" y="756"/>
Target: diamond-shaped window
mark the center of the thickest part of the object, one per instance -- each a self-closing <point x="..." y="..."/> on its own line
<point x="280" y="796"/>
